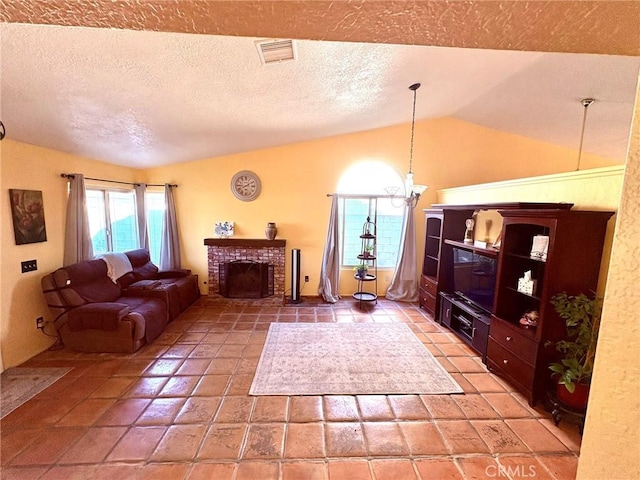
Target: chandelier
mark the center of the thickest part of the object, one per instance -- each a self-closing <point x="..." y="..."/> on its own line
<point x="412" y="191"/>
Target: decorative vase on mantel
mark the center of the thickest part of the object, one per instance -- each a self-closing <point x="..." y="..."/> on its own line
<point x="271" y="231"/>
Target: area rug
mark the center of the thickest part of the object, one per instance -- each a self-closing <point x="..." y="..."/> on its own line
<point x="18" y="385"/>
<point x="355" y="359"/>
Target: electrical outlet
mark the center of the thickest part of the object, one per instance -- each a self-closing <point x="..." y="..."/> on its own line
<point x="306" y="278"/>
<point x="29" y="266"/>
<point x="40" y="323"/>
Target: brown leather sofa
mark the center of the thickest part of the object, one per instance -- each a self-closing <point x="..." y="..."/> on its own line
<point x="92" y="313"/>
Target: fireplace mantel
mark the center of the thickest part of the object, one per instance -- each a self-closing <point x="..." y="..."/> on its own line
<point x="244" y="242"/>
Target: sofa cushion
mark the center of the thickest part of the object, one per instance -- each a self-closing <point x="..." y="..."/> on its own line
<point x="146" y="272"/>
<point x="143" y="269"/>
<point x="97" y="316"/>
<point x="89" y="280"/>
<point x="153" y="310"/>
<point x="138" y="257"/>
<point x="187" y="288"/>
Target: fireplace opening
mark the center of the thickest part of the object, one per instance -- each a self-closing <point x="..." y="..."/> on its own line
<point x="245" y="279"/>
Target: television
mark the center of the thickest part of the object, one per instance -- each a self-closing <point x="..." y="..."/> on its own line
<point x="474" y="278"/>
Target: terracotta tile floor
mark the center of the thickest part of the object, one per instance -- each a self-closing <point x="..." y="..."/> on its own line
<point x="180" y="409"/>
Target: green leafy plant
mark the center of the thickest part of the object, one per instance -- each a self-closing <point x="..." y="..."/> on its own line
<point x="582" y="320"/>
<point x="361" y="270"/>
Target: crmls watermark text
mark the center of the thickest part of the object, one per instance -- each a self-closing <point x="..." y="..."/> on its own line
<point x="510" y="471"/>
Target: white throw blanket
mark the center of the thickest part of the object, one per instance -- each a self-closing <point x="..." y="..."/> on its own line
<point x="117" y="264"/>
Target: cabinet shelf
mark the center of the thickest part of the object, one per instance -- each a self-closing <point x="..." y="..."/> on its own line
<point x="524" y="257"/>
<point x="515" y="290"/>
<point x="491" y="252"/>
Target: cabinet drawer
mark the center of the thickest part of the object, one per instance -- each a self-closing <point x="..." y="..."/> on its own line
<point x="513" y="341"/>
<point x="429" y="285"/>
<point x="509" y="364"/>
<point x="427" y="301"/>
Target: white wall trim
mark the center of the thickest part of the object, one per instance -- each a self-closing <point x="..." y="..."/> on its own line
<point x="546" y="179"/>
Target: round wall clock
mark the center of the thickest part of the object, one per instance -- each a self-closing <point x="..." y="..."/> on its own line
<point x="245" y="185"/>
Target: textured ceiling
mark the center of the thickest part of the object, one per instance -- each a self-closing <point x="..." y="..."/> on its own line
<point x="145" y="98"/>
<point x="578" y="26"/>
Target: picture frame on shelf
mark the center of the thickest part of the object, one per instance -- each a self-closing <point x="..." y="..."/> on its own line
<point x="223" y="229"/>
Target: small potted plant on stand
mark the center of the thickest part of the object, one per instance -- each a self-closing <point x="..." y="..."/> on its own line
<point x="361" y="270"/>
<point x="574" y="369"/>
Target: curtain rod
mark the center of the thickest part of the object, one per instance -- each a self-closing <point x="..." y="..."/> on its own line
<point x="70" y="175"/>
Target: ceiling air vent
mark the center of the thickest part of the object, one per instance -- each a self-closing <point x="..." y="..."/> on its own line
<point x="275" y="51"/>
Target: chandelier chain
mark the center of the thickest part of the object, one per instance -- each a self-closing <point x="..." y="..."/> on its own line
<point x="413" y="124"/>
<point x="585" y="103"/>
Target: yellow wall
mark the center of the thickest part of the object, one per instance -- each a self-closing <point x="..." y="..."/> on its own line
<point x="295" y="182"/>
<point x="611" y="442"/>
<point x="32" y="168"/>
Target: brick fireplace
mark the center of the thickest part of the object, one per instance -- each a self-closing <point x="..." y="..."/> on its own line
<point x="223" y="250"/>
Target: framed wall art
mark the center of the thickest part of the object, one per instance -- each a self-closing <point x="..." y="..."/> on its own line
<point x="27" y="212"/>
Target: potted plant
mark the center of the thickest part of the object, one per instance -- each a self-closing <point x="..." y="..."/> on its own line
<point x="575" y="366"/>
<point x="361" y="270"/>
<point x="368" y="251"/>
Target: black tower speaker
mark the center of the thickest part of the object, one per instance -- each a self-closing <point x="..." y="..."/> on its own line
<point x="295" y="275"/>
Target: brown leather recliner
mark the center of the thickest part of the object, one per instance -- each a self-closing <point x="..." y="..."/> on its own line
<point x="92" y="315"/>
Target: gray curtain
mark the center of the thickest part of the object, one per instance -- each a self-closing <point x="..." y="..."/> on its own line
<point x="77" y="237"/>
<point x="141" y="215"/>
<point x="170" y="242"/>
<point x="404" y="285"/>
<point x="330" y="271"/>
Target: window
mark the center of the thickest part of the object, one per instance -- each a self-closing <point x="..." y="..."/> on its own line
<point x="388" y="220"/>
<point x="113" y="224"/>
<point x="112" y="220"/>
<point x="365" y="183"/>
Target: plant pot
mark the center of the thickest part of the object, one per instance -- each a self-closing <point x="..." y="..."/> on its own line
<point x="576" y="400"/>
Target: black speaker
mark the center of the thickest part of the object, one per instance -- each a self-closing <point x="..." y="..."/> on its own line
<point x="295" y="275"/>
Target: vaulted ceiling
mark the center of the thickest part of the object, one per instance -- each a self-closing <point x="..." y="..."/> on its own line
<point x="177" y="81"/>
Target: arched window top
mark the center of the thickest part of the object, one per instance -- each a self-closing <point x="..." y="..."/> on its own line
<point x="369" y="177"/>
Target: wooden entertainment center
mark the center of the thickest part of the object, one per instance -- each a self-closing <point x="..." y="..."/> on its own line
<point x="491" y="323"/>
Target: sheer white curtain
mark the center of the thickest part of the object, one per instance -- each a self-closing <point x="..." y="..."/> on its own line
<point x="170" y="241"/>
<point x="404" y="285"/>
<point x="141" y="216"/>
<point x="77" y="240"/>
<point x="330" y="270"/>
